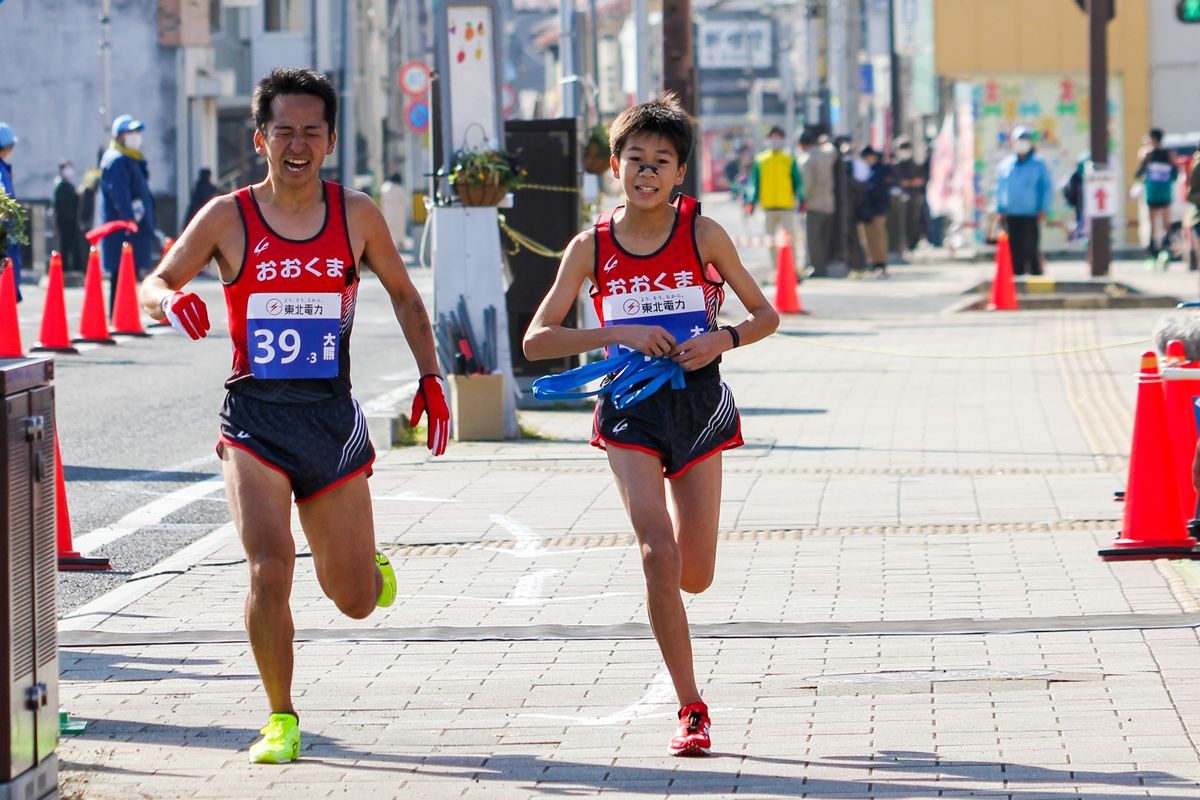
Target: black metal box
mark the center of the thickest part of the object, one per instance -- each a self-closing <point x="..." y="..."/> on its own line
<point x="28" y="574"/>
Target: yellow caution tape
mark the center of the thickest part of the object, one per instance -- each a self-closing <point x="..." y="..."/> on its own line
<point x="521" y="240"/>
<point x="548" y="188"/>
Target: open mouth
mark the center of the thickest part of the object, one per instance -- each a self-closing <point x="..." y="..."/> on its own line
<point x="295" y="165"/>
<point x="647" y="190"/>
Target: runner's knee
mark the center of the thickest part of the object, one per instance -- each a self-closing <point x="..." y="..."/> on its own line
<point x="660" y="562"/>
<point x="356" y="601"/>
<point x="271" y="574"/>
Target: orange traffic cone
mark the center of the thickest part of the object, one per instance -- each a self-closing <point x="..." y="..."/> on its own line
<point x="93" y="323"/>
<point x="54" y="336"/>
<point x="787" y="297"/>
<point x="1004" y="287"/>
<point x="1179" y="392"/>
<point x="10" y="329"/>
<point x="1152" y="527"/>
<point x="127" y="317"/>
<point x="68" y="559"/>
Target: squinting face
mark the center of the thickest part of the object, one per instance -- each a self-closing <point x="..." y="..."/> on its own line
<point x="647" y="168"/>
<point x="297" y="139"/>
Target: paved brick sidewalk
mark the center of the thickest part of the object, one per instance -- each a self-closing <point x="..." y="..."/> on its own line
<point x="908" y="602"/>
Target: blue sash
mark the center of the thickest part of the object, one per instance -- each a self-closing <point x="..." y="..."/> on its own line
<point x="635" y="377"/>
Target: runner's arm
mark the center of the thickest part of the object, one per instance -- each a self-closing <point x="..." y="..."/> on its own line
<point x="547" y="337"/>
<point x="196" y="247"/>
<point x="717" y="248"/>
<point x="380" y="254"/>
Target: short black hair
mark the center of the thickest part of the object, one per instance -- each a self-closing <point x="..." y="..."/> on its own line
<point x="292" y="81"/>
<point x="663" y="116"/>
<point x="1156" y="134"/>
<point x="776" y="131"/>
<point x="808" y="137"/>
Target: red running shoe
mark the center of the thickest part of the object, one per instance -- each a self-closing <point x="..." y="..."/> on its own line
<point x="692" y="738"/>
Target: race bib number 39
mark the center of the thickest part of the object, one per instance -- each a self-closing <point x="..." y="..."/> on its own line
<point x="293" y="335"/>
<point x="680" y="311"/>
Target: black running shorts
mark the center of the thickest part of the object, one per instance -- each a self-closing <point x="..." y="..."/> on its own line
<point x="680" y="426"/>
<point x="317" y="446"/>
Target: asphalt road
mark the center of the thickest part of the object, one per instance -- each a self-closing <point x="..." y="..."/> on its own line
<point x="137" y="425"/>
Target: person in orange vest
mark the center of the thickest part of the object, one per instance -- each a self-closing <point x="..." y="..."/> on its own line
<point x="776" y="185"/>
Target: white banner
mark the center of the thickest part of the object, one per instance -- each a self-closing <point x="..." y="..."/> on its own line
<point x="744" y="43"/>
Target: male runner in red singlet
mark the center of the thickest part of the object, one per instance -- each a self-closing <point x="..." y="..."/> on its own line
<point x="289" y="251"/>
<point x="658" y="272"/>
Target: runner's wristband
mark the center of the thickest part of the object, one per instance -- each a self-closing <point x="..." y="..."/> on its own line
<point x="737" y="340"/>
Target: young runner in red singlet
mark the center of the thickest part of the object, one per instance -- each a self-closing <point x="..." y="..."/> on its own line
<point x="658" y="272"/>
<point x="289" y="251"/>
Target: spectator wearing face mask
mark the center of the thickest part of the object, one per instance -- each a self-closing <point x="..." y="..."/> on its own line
<point x="911" y="178"/>
<point x="8" y="141"/>
<point x="819" y="165"/>
<point x="125" y="190"/>
<point x="66" y="218"/>
<point x="776" y="185"/>
<point x="1023" y="196"/>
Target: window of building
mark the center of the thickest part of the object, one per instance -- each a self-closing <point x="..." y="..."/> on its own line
<point x="283" y="15"/>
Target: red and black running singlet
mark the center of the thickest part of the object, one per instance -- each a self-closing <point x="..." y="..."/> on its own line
<point x="670" y="287"/>
<point x="291" y="307"/>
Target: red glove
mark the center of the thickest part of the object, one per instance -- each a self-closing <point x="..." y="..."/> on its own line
<point x="431" y="397"/>
<point x="187" y="313"/>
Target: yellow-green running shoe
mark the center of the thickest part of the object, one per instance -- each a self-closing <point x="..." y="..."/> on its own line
<point x="280" y="743"/>
<point x="387" y="595"/>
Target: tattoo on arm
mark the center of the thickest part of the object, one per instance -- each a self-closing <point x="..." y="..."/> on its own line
<point x="419" y="309"/>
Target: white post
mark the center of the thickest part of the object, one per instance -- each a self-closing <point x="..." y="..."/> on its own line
<point x="347" y="155"/>
<point x="641" y="45"/>
<point x="566" y="58"/>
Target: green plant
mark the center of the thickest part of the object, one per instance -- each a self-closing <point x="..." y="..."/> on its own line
<point x="12" y="223"/>
<point x="485" y="168"/>
<point x="598" y="136"/>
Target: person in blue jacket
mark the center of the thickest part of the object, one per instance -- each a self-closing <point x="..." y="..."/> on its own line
<point x="125" y="194"/>
<point x="872" y="210"/>
<point x="1024" y="192"/>
<point x="8" y="140"/>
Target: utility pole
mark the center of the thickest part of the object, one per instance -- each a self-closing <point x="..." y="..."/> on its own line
<point x="897" y="87"/>
<point x="841" y="115"/>
<point x="641" y="44"/>
<point x="812" y="45"/>
<point x="347" y="141"/>
<point x="1101" y="233"/>
<point x="679" y="74"/>
<point x="566" y="58"/>
<point x="106" y="114"/>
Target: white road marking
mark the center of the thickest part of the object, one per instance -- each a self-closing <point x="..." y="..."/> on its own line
<point x="500" y="601"/>
<point x="149" y="514"/>
<point x="528" y="542"/>
<point x="661" y="693"/>
<point x="90" y="615"/>
<point x="416" y="497"/>
<point x="387" y="402"/>
<point x="528" y="591"/>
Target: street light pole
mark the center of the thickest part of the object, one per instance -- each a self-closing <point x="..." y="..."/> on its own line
<point x="106" y="64"/>
<point x="1098" y="14"/>
<point x="566" y="58"/>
